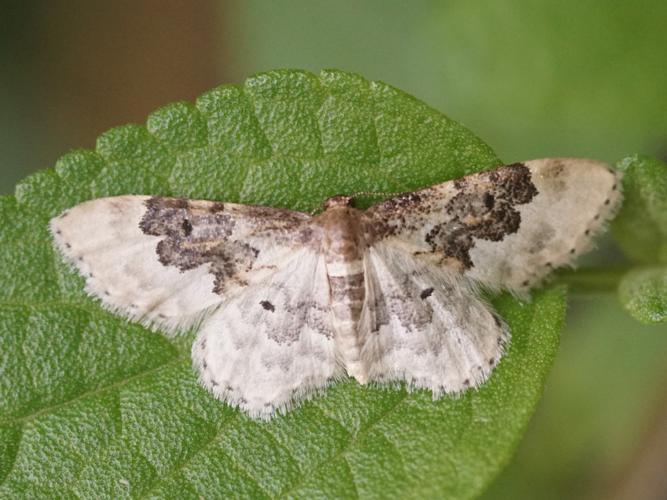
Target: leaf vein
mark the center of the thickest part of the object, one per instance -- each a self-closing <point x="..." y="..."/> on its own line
<point x="251" y="101"/>
<point x="100" y="390"/>
<point x="349" y="468"/>
<point x="15" y="457"/>
<point x="354" y="438"/>
<point x="183" y="464"/>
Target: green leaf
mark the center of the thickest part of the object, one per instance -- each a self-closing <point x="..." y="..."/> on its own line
<point x="643" y="293"/>
<point x="94" y="406"/>
<point x="641" y="226"/>
<point x="641" y="231"/>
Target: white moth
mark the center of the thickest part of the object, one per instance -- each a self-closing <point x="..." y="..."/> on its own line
<point x="286" y="302"/>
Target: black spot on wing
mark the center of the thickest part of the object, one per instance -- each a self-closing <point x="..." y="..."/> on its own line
<point x="268" y="306"/>
<point x="426" y="293"/>
<point x="187" y="227"/>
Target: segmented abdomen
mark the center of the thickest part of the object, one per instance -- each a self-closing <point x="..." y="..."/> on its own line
<point x="346" y="281"/>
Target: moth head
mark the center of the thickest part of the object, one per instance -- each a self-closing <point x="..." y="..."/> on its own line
<point x="339" y="201"/>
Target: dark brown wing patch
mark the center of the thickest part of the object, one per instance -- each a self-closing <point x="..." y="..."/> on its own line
<point x="450" y="216"/>
<point x="225" y="236"/>
<point x="484" y="208"/>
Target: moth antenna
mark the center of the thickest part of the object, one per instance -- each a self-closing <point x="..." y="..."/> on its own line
<point x="347" y="200"/>
<point x="372" y="193"/>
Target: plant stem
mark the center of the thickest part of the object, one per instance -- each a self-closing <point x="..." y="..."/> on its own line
<point x="592" y="280"/>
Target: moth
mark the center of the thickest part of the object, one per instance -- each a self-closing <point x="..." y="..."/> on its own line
<point x="286" y="302"/>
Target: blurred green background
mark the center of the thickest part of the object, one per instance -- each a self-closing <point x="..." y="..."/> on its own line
<point x="533" y="79"/>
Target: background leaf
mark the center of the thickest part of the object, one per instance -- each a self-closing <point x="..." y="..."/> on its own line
<point x="94" y="406"/>
<point x="643" y="293"/>
<point x="641" y="231"/>
<point x="641" y="226"/>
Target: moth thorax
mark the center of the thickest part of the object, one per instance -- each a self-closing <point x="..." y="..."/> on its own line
<point x="340" y="200"/>
<point x="343" y="239"/>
